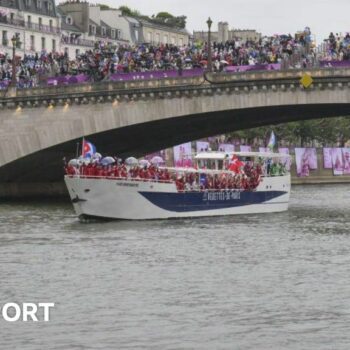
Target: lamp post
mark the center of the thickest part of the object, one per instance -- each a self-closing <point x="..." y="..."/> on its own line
<point x="210" y="65"/>
<point x="14" y="44"/>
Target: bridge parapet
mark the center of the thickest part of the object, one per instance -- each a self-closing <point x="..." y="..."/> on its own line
<point x="168" y="87"/>
<point x="109" y="86"/>
<point x="281" y="74"/>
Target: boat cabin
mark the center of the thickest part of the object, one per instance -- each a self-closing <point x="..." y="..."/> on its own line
<point x="222" y="160"/>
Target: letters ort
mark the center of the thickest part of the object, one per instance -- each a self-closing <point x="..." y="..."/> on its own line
<point x="12" y="312"/>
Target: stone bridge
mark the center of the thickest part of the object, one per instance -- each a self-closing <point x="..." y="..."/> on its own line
<point x="39" y="126"/>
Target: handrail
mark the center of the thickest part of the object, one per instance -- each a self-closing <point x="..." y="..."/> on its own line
<point x="96" y="177"/>
<point x="35" y="26"/>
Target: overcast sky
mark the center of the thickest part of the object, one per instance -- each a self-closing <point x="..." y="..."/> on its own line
<point x="266" y="16"/>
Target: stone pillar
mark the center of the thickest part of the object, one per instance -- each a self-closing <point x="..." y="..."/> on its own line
<point x="220" y="32"/>
<point x="225" y="31"/>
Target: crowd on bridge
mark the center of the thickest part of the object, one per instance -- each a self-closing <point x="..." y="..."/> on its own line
<point x="106" y="61"/>
<point x="336" y="47"/>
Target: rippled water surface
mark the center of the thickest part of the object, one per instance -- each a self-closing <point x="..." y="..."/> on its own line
<point x="277" y="281"/>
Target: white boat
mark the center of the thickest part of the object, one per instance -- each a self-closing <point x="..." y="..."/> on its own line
<point x="134" y="198"/>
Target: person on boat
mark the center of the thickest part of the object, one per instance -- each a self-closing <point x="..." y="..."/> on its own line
<point x="180" y="183"/>
<point x="235" y="165"/>
<point x="123" y="171"/>
<point x="115" y="171"/>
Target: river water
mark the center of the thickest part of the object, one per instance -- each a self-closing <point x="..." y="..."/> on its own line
<point x="277" y="281"/>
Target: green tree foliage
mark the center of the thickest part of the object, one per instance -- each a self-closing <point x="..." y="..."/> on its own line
<point x="127" y="11"/>
<point x="164" y="18"/>
<point x="164" y="15"/>
<point x="326" y="132"/>
<point x="104" y="7"/>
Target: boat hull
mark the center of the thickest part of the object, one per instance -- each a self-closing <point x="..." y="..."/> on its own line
<point x="142" y="200"/>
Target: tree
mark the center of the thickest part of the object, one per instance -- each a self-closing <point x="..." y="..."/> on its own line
<point x="164" y="15"/>
<point x="327" y="132"/>
<point x="181" y="21"/>
<point x="126" y="11"/>
<point x="104" y="7"/>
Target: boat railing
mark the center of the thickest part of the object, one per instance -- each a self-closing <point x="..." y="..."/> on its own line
<point x="161" y="181"/>
<point x="157" y="181"/>
<point x="133" y="179"/>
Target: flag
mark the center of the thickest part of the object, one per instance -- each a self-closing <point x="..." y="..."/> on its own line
<point x="236" y="165"/>
<point x="89" y="149"/>
<point x="272" y="141"/>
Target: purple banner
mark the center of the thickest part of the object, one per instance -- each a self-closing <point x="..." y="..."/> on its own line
<point x="202" y="146"/>
<point x="327" y="158"/>
<point x="306" y="160"/>
<point x="337" y="161"/>
<point x="232" y="69"/>
<point x="346" y="160"/>
<point x="245" y="148"/>
<point x="335" y="64"/>
<point x="69" y="79"/>
<point x="226" y="147"/>
<point x="156" y="75"/>
<point x="183" y="155"/>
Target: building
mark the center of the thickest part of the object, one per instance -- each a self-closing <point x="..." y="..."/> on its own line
<point x="155" y="33"/>
<point x="74" y="27"/>
<point x="87" y="24"/>
<point x="35" y="23"/>
<point x="224" y="34"/>
<point x="73" y="40"/>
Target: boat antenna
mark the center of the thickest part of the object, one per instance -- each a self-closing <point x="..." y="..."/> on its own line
<point x="77" y="149"/>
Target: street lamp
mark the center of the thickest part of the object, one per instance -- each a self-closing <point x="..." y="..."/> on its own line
<point x="14" y="44"/>
<point x="210" y="65"/>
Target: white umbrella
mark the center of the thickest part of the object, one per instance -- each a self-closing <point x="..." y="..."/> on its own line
<point x="81" y="160"/>
<point x="97" y="156"/>
<point x="144" y="163"/>
<point x="73" y="162"/>
<point x="223" y="62"/>
<point x="107" y="160"/>
<point x="157" y="160"/>
<point x="131" y="161"/>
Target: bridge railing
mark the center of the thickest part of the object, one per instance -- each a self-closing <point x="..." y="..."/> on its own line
<point x="283" y="74"/>
<point x="183" y="82"/>
<point x="110" y="86"/>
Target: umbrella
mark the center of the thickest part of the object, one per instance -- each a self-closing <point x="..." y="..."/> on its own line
<point x="131" y="161"/>
<point x="97" y="156"/>
<point x="107" y="160"/>
<point x="73" y="162"/>
<point x="81" y="160"/>
<point x="188" y="60"/>
<point x="223" y="62"/>
<point x="144" y="163"/>
<point x="203" y="62"/>
<point x="157" y="160"/>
